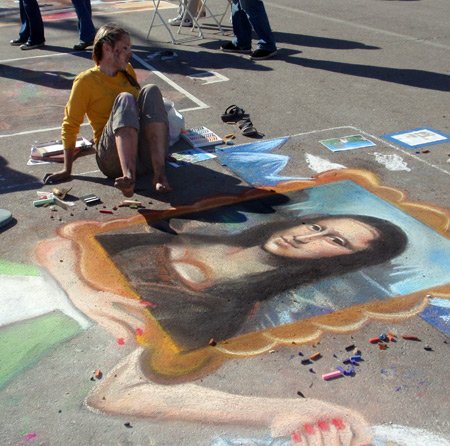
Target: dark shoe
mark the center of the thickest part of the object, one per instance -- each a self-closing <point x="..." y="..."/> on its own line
<point x="83" y="45"/>
<point x="247" y="128"/>
<point x="262" y="54"/>
<point x="230" y="47"/>
<point x="31" y="46"/>
<point x="233" y="113"/>
<point x="17" y="42"/>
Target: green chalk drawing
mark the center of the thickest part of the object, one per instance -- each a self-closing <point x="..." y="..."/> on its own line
<point x="25" y="343"/>
<point x="17" y="269"/>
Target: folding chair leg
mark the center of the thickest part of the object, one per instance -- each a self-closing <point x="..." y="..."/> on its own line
<point x="194" y="19"/>
<point x="157" y="13"/>
<point x="225" y="12"/>
<point x="209" y="14"/>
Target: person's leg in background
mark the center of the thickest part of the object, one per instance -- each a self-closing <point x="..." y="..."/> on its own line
<point x="31" y="34"/>
<point x="86" y="27"/>
<point x="183" y="15"/>
<point x="24" y="32"/>
<point x="249" y="15"/>
<point x="257" y="16"/>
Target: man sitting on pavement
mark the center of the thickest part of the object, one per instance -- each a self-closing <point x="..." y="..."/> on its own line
<point x="130" y="124"/>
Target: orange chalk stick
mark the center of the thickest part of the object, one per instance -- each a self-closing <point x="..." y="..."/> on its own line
<point x="315" y="356"/>
<point x="410" y="337"/>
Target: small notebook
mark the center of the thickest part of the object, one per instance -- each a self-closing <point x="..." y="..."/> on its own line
<point x="50" y="151"/>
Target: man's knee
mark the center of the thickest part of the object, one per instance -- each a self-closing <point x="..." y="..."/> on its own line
<point x="151" y="105"/>
<point x="151" y="92"/>
<point x="125" y="112"/>
<point x="125" y="99"/>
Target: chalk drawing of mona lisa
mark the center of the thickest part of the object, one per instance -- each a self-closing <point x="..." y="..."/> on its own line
<point x="251" y="275"/>
<point x="209" y="284"/>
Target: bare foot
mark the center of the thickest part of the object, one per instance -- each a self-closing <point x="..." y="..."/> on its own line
<point x="125" y="185"/>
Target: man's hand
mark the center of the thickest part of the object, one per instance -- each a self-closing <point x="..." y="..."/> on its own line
<point x="64" y="174"/>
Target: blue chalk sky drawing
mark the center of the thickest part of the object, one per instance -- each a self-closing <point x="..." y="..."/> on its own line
<point x="255" y="164"/>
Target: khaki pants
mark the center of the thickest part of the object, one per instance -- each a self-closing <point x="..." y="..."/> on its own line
<point x="129" y="112"/>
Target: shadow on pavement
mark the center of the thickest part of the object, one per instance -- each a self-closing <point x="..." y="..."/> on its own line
<point x="402" y="76"/>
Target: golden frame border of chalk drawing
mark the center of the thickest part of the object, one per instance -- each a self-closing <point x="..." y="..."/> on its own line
<point x="166" y="362"/>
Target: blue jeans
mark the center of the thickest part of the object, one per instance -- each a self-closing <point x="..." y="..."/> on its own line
<point x="32" y="29"/>
<point x="248" y="14"/>
<point x="85" y="26"/>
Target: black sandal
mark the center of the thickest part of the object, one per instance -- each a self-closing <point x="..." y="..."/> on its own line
<point x="248" y="129"/>
<point x="233" y="113"/>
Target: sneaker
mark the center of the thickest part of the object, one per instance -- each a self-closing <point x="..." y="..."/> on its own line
<point x="177" y="21"/>
<point x="83" y="45"/>
<point x="230" y="47"/>
<point x="262" y="54"/>
<point x="31" y="46"/>
<point x="17" y="42"/>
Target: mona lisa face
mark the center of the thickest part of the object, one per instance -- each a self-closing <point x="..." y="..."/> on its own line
<point x="323" y="238"/>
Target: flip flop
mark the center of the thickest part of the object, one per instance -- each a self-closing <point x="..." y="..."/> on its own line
<point x="233" y="113"/>
<point x="248" y="129"/>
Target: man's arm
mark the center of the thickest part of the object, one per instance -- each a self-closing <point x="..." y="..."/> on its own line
<point x="73" y="117"/>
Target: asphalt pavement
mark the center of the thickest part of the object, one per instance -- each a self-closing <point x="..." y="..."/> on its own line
<point x="368" y="67"/>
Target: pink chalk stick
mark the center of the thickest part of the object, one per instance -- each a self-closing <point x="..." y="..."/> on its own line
<point x="332" y="375"/>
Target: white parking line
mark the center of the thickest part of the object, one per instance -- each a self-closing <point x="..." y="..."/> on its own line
<point x="174" y="85"/>
<point x="200" y="104"/>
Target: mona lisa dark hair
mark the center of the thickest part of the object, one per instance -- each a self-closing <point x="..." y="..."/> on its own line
<point x="390" y="243"/>
<point x="193" y="317"/>
<point x="290" y="273"/>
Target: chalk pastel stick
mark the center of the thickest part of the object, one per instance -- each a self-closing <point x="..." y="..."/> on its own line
<point x="44" y="201"/>
<point x="410" y="337"/>
<point x="332" y="375"/>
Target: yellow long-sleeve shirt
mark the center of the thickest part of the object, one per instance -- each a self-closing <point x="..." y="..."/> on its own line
<point x="93" y="94"/>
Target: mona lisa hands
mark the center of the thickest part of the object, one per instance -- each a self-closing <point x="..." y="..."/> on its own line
<point x="317" y="423"/>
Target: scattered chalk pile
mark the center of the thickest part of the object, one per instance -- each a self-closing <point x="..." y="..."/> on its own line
<point x="355" y="355"/>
